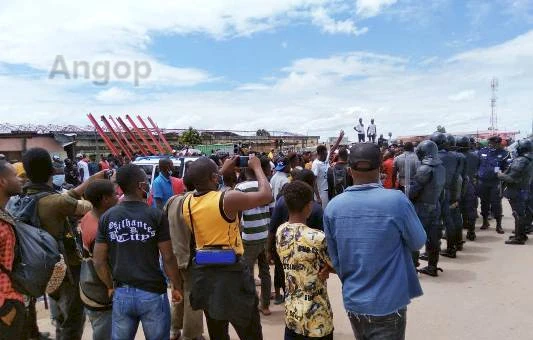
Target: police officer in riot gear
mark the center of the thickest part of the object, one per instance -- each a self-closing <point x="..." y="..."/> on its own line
<point x="449" y="199"/>
<point x="493" y="159"/>
<point x="425" y="192"/>
<point x="455" y="195"/>
<point x="516" y="181"/>
<point x="468" y="202"/>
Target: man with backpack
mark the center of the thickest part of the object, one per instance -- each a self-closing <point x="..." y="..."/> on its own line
<point x="338" y="176"/>
<point x="53" y="213"/>
<point x="93" y="292"/>
<point x="12" y="313"/>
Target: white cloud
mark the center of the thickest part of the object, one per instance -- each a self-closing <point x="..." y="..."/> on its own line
<point x="312" y="95"/>
<point x="329" y="25"/>
<point x="371" y="8"/>
<point x="114" y="95"/>
<point x="463" y="95"/>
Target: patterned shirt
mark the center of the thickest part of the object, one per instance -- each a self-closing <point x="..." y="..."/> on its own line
<point x="303" y="252"/>
<point x="7" y="254"/>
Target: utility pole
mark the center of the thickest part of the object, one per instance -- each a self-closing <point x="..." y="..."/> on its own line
<point x="493" y="114"/>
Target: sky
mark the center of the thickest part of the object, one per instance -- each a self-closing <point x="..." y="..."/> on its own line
<point x="303" y="66"/>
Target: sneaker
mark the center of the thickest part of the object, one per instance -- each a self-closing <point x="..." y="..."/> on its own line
<point x="279" y="299"/>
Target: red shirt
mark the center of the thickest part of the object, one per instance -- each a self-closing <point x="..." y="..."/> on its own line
<point x="387" y="170"/>
<point x="89" y="228"/>
<point x="7" y="254"/>
<point x="177" y="185"/>
<point x="104" y="165"/>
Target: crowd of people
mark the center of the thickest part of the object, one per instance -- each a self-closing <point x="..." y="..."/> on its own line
<point x="362" y="213"/>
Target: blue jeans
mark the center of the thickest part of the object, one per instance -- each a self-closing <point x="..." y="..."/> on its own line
<point x="133" y="305"/>
<point x="388" y="327"/>
<point x="100" y="323"/>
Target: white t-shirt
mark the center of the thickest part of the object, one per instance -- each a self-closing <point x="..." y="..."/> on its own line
<point x="83" y="166"/>
<point x="320" y="170"/>
<point x="372" y="129"/>
<point x="277" y="182"/>
<point x="360" y="128"/>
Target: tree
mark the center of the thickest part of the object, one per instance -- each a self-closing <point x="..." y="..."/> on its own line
<point x="441" y="129"/>
<point x="191" y="137"/>
<point x="262" y="133"/>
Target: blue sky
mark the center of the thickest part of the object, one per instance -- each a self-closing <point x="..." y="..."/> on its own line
<point x="306" y="66"/>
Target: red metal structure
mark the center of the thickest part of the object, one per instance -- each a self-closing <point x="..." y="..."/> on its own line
<point x="117" y="128"/>
<point x="140" y="134"/>
<point x="102" y="134"/>
<point x="159" y="147"/>
<point x="132" y="136"/>
<point x="114" y="134"/>
<point x="160" y="134"/>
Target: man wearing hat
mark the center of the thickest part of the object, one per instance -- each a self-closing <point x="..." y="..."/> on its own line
<point x="371" y="233"/>
<point x="492" y="159"/>
<point x="281" y="177"/>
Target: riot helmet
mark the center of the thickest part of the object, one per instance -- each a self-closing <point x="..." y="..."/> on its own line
<point x="427" y="149"/>
<point x="524" y="146"/>
<point x="463" y="143"/>
<point x="439" y="139"/>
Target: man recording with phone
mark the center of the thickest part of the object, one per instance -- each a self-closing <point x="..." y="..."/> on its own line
<point x="221" y="282"/>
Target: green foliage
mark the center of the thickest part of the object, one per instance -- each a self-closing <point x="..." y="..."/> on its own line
<point x="191" y="137"/>
<point x="262" y="133"/>
<point x="441" y="129"/>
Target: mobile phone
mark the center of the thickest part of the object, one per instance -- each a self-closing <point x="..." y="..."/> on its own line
<point x="108" y="174"/>
<point x="243" y="161"/>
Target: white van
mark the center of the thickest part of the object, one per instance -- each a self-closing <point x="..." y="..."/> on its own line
<point x="150" y="165"/>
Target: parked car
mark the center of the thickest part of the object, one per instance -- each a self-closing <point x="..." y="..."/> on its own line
<point x="150" y="165"/>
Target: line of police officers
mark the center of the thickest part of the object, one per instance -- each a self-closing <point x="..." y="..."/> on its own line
<point x="452" y="175"/>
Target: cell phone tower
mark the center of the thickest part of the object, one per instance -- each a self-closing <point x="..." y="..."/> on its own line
<point x="493" y="114"/>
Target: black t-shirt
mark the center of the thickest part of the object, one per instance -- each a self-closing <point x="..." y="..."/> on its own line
<point x="132" y="231"/>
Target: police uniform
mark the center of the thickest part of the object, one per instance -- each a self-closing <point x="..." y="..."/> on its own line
<point x="491" y="160"/>
<point x="456" y="194"/>
<point x="517" y="181"/>
<point x="468" y="203"/>
<point x="426" y="191"/>
<point x="451" y="165"/>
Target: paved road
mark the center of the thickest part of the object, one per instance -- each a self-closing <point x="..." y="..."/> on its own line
<point x="486" y="293"/>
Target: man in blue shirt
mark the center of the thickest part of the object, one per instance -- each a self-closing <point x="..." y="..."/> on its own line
<point x="162" y="186"/>
<point x="371" y="233"/>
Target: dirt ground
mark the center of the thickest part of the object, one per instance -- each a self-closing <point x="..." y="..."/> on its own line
<point x="485" y="293"/>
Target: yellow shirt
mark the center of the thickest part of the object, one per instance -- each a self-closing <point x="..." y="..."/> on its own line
<point x="303" y="252"/>
<point x="211" y="225"/>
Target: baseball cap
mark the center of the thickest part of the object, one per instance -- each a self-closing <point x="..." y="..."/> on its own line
<point x="79" y="155"/>
<point x="365" y="157"/>
<point x="281" y="164"/>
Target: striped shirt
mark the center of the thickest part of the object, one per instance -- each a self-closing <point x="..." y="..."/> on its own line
<point x="255" y="222"/>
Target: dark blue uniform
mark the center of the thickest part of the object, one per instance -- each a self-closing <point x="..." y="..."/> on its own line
<point x="491" y="161"/>
<point x="451" y="166"/>
<point x="426" y="191"/>
<point x="469" y="203"/>
<point x="456" y="195"/>
<point x="517" y="180"/>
